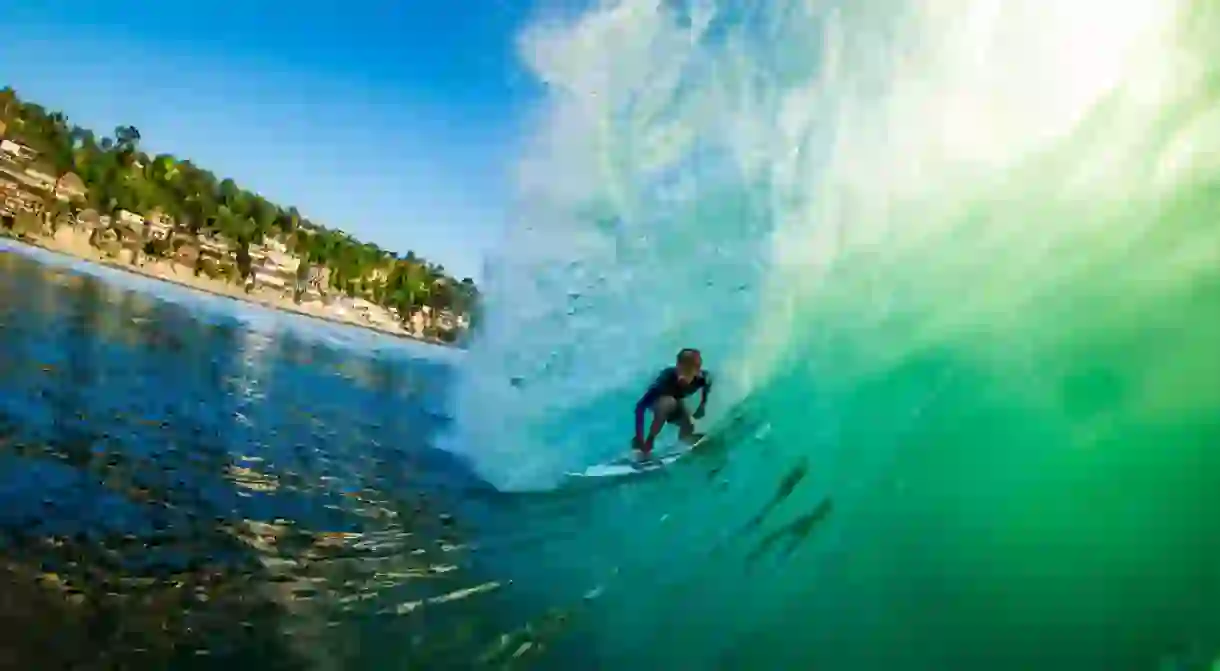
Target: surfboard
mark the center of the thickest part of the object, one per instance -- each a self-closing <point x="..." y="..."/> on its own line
<point x="633" y="466"/>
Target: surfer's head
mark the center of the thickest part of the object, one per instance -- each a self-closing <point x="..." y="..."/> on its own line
<point x="690" y="362"/>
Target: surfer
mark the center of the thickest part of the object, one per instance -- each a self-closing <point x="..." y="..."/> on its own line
<point x="665" y="396"/>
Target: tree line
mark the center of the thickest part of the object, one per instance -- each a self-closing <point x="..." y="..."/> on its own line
<point x="118" y="175"/>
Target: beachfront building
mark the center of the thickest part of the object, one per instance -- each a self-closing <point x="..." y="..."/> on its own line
<point x="202" y="253"/>
<point x="275" y="282"/>
<point x="43" y="181"/>
<point x="67" y="188"/>
<point x="31" y="180"/>
<point x="130" y="220"/>
<point x="158" y="225"/>
<point x="313" y="286"/>
<point x="106" y="238"/>
<point x="15" y="151"/>
<point x="14" y="199"/>
<point x="213" y="246"/>
<point x="10" y="174"/>
<point x="274" y="267"/>
<point x="128" y="229"/>
<point x="40" y="180"/>
<point x="214" y="253"/>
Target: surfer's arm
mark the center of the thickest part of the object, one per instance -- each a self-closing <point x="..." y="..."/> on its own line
<point x="707" y="389"/>
<point x="641" y="407"/>
<point x="646" y="401"/>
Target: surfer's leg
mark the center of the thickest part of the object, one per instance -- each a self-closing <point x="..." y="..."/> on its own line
<point x="662" y="412"/>
<point x="686" y="425"/>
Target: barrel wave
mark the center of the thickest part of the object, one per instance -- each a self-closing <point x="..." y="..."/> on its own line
<point x="956" y="268"/>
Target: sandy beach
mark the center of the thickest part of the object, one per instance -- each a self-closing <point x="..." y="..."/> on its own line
<point x="75" y="243"/>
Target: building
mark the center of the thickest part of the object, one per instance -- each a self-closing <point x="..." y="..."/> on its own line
<point x="29" y="179"/>
<point x="14" y="199"/>
<point x="274" y="245"/>
<point x="204" y="250"/>
<point x="17" y="151"/>
<point x="213" y="246"/>
<point x="40" y="180"/>
<point x="158" y="225"/>
<point x="275" y="276"/>
<point x="273" y="267"/>
<point x="278" y="268"/>
<point x="317" y="281"/>
<point x="273" y="281"/>
<point x="130" y="221"/>
<point x="274" y="257"/>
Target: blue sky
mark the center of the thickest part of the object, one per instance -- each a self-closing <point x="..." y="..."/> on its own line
<point x="395" y="120"/>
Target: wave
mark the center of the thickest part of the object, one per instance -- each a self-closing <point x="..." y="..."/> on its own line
<point x="957" y="264"/>
<point x="832" y="189"/>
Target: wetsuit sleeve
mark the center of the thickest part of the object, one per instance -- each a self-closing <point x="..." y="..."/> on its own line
<point x="707" y="387"/>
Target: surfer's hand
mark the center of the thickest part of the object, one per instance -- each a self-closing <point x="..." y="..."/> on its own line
<point x="698" y="414"/>
<point x="644" y="447"/>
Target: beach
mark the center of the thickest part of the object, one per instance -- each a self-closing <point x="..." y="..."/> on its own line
<point x="73" y="242"/>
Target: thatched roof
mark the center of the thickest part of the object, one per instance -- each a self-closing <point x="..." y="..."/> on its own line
<point x="90" y="216"/>
<point x="71" y="182"/>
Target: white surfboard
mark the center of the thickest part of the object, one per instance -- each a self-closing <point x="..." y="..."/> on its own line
<point x="632" y="465"/>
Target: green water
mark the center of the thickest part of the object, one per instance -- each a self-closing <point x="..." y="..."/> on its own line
<point x="957" y="265"/>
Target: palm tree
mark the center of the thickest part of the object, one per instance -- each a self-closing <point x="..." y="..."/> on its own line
<point x="127" y="139"/>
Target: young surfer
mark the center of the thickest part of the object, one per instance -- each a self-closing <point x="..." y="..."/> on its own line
<point x="665" y="396"/>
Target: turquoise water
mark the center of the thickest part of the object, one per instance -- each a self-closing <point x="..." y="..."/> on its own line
<point x="955" y="266"/>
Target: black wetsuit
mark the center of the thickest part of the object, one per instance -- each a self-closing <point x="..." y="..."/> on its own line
<point x="669" y="384"/>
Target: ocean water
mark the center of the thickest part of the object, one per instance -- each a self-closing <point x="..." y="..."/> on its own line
<point x="190" y="482"/>
<point x="954" y="265"/>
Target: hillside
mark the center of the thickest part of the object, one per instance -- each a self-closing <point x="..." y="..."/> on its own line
<point x="112" y="176"/>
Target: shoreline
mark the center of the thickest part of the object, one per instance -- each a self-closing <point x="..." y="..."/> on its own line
<point x="155" y="271"/>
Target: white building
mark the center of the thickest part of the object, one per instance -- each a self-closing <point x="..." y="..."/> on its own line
<point x="16" y="150"/>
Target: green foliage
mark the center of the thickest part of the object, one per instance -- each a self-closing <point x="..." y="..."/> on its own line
<point x="120" y="176"/>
